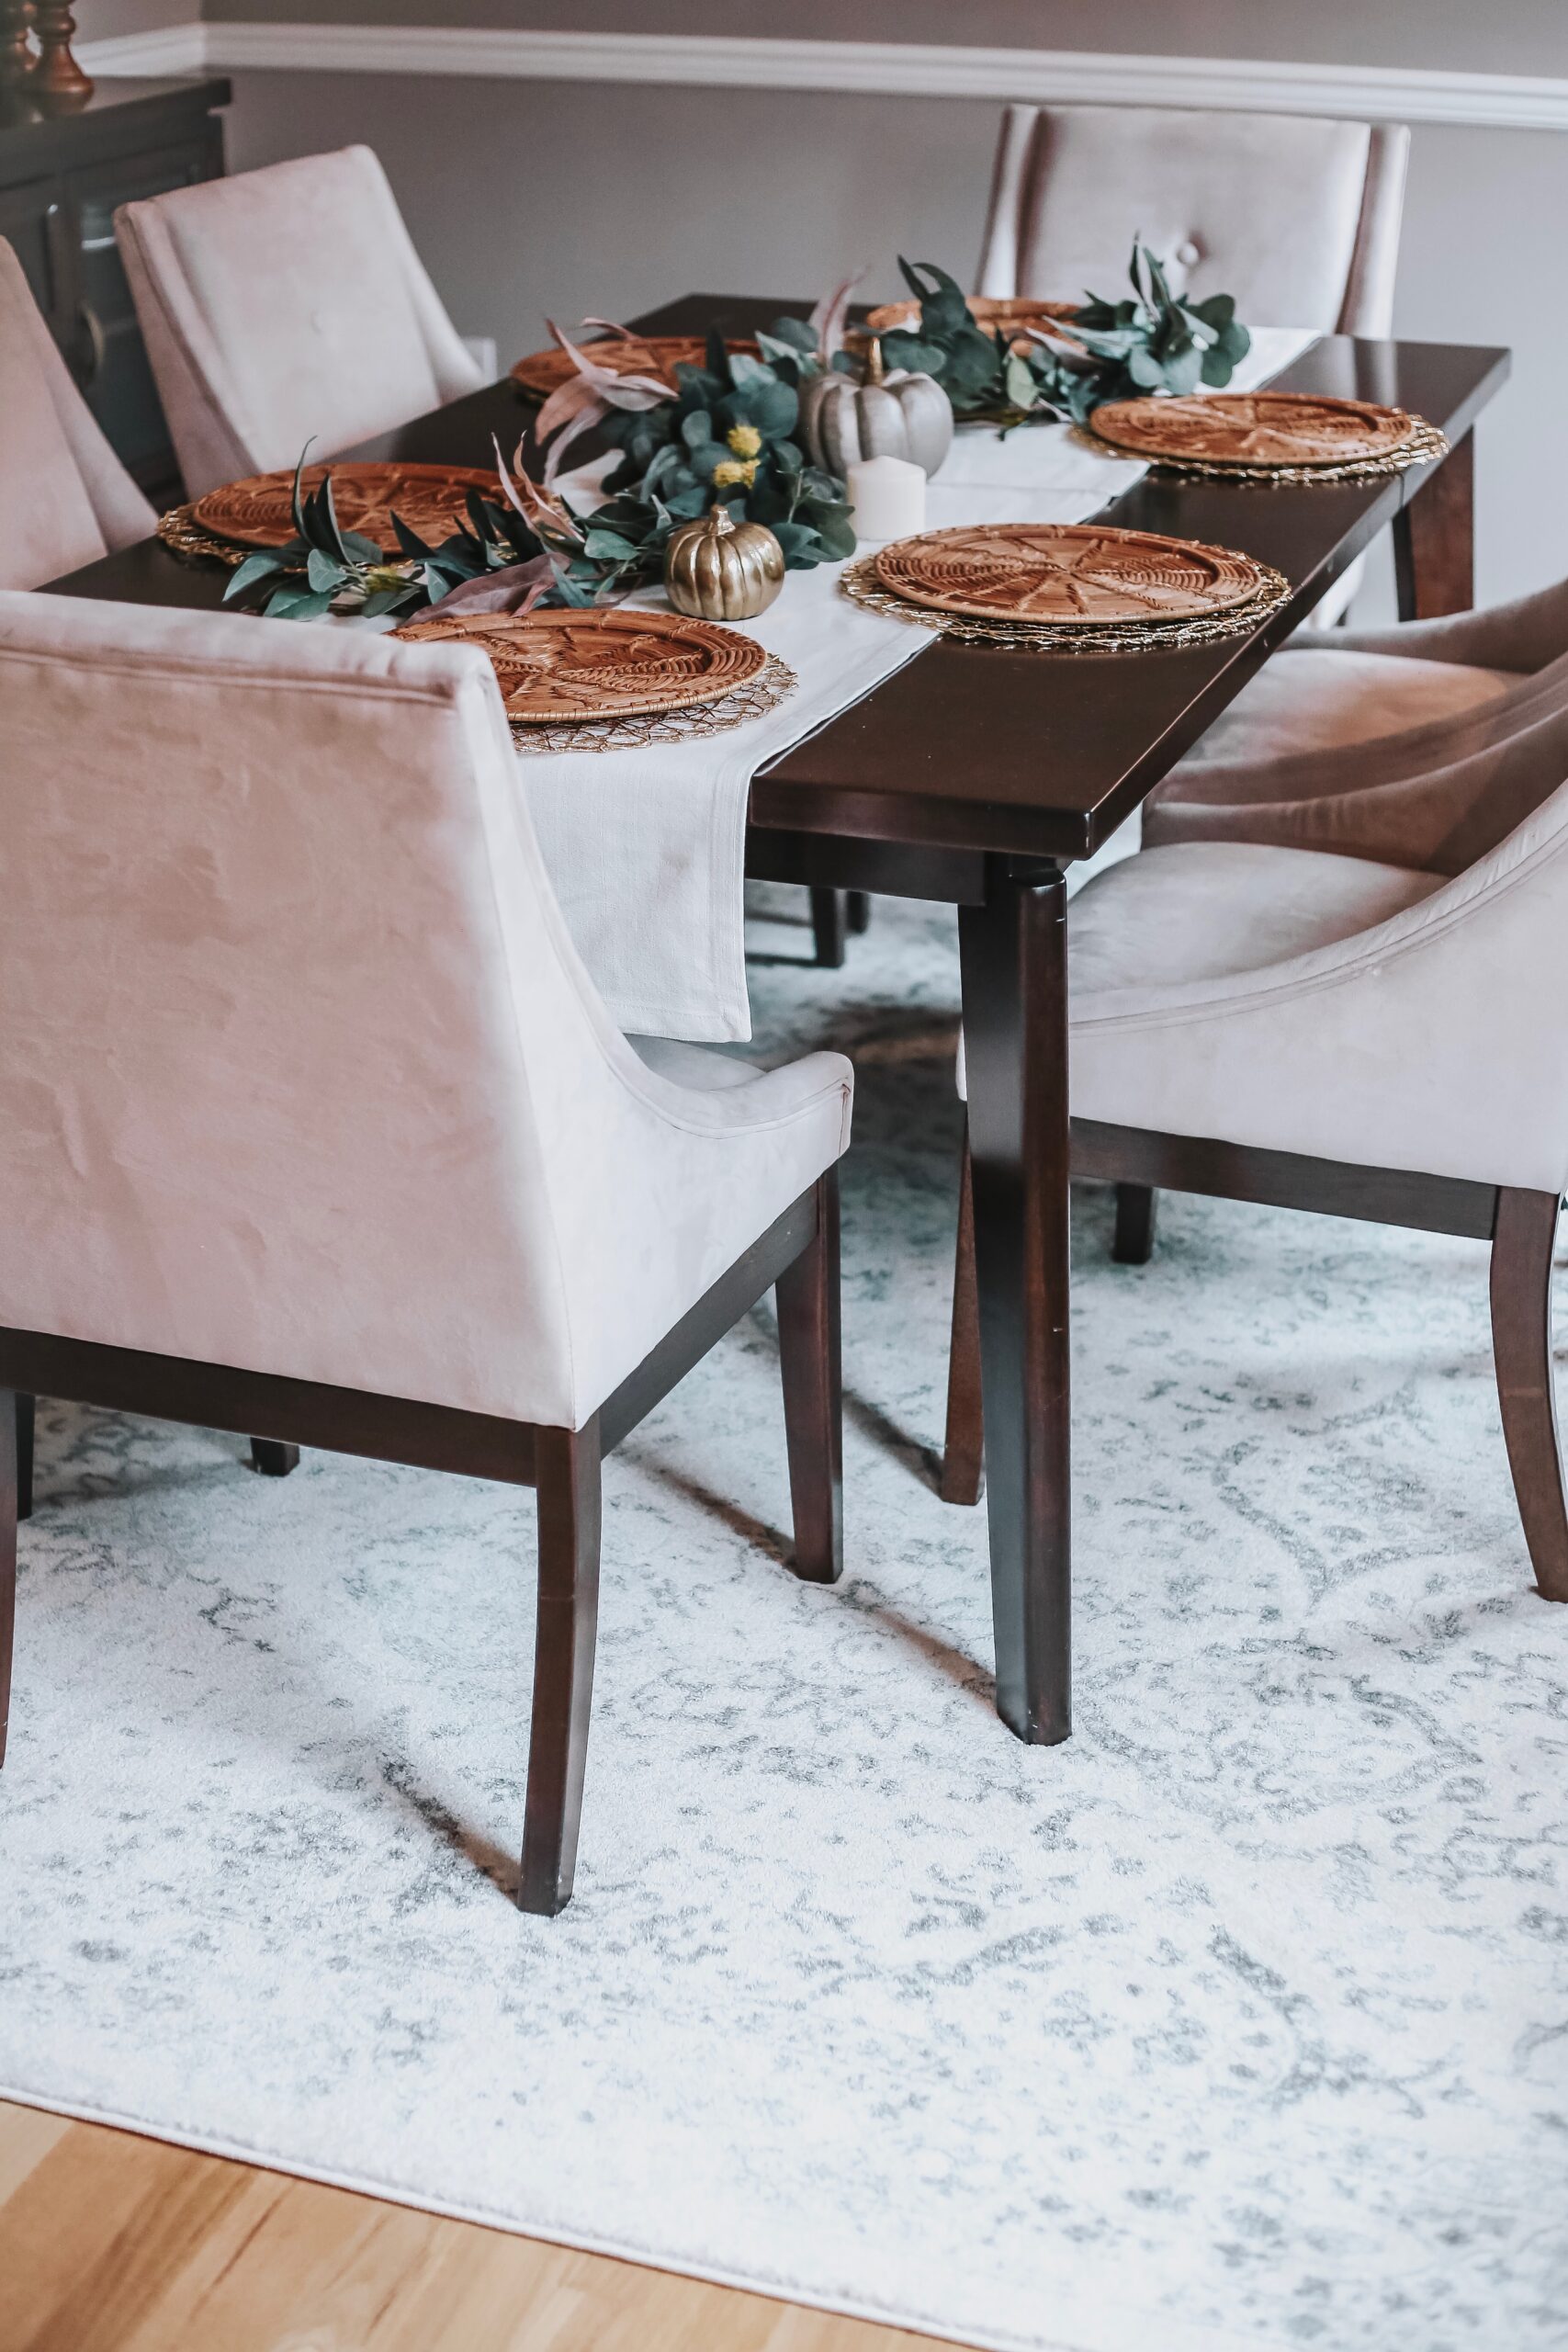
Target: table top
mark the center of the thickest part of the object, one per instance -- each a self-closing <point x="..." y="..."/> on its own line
<point x="976" y="747"/>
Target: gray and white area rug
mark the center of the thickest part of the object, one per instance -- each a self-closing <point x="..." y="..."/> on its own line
<point x="1239" y="2021"/>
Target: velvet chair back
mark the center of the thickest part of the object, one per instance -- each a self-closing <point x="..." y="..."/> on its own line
<point x="286" y="306"/>
<point x="302" y="1074"/>
<point x="65" y="499"/>
<point x="1298" y="218"/>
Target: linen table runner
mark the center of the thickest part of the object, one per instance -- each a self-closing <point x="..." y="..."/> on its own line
<point x="646" y="847"/>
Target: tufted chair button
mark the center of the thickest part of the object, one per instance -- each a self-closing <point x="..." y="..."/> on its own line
<point x="1188" y="252"/>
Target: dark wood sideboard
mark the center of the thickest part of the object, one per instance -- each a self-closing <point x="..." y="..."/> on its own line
<point x="60" y="178"/>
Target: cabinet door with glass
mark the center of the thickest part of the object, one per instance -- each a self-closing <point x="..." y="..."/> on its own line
<point x="101" y="339"/>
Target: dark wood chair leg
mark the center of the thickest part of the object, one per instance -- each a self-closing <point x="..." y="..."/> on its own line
<point x="26" y="1414"/>
<point x="964" y="1448"/>
<point x="1014" y="956"/>
<point x="1434" y="540"/>
<point x="810" y="1362"/>
<point x="10" y="1418"/>
<point x="828" y="925"/>
<point x="1137" y="1208"/>
<point x="272" y="1457"/>
<point x="1522" y="1239"/>
<point x="857" y="910"/>
<point x="567" y="1473"/>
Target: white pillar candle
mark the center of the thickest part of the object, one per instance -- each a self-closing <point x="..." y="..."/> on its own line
<point x="887" y="498"/>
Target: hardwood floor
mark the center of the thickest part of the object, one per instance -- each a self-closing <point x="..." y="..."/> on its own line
<point x="111" y="2243"/>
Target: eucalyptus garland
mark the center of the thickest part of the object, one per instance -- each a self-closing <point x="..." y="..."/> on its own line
<point x="1156" y="341"/>
<point x="506" y="557"/>
<point x="724" y="434"/>
<point x="726" y="438"/>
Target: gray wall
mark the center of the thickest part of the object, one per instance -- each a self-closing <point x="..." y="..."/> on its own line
<point x="530" y="199"/>
<point x="110" y="19"/>
<point x="1511" y="37"/>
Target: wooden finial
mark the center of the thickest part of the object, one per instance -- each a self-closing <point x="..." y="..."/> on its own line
<point x="58" y="83"/>
<point x="16" y="55"/>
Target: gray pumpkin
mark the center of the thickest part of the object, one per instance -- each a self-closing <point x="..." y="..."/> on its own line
<point x="894" y="413"/>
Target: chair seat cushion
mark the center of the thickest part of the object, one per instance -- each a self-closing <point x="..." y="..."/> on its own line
<point x="1205" y="909"/>
<point x="1315" y="698"/>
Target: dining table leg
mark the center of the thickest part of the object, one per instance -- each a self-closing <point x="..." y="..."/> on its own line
<point x="1013" y="950"/>
<point x="1434" y="540"/>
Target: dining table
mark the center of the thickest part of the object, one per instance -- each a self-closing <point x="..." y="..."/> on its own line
<point x="976" y="776"/>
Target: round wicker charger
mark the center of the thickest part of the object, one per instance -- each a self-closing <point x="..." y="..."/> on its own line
<point x="1273" y="437"/>
<point x="568" y="667"/>
<point x="774" y="683"/>
<point x="543" y="372"/>
<point x="259" y="512"/>
<point x="1067" y="575"/>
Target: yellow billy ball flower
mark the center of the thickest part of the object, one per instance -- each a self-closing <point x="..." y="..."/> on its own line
<point x="744" y="439"/>
<point x="732" y="474"/>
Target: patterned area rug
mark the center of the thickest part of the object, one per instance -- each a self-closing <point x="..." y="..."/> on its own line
<point x="1242" y="2021"/>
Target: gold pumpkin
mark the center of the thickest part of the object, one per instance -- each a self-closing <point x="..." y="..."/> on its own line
<point x="718" y="570"/>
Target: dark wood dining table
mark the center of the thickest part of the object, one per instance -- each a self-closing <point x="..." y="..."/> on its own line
<point x="976" y="776"/>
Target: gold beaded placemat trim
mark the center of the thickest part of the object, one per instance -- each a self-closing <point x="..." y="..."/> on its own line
<point x="774" y="683"/>
<point x="181" y="535"/>
<point x="1424" y="443"/>
<point x="861" y="582"/>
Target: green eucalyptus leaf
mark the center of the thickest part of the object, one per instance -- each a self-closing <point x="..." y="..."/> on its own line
<point x="1183" y="370"/>
<point x="254" y="567"/>
<point x="297" y="502"/>
<point x="1217" y="311"/>
<point x="291" y="605"/>
<point x="1019" y="381"/>
<point x="609" y="547"/>
<point x="324" y="572"/>
<point x="794" y="333"/>
<point x="775" y="407"/>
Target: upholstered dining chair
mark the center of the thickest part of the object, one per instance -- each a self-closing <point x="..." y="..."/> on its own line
<point x="65" y="499"/>
<point x="1321" y="726"/>
<point x="1361" y="1037"/>
<point x="312" y="1123"/>
<point x="1297" y="217"/>
<point x="283" y="306"/>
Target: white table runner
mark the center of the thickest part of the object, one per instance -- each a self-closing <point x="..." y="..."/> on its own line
<point x="646" y="848"/>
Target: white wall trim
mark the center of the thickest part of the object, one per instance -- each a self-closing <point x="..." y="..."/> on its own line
<point x="905" y="69"/>
<point x="172" y="49"/>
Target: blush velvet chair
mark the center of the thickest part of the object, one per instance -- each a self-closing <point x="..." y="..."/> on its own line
<point x="65" y="499"/>
<point x="1321" y="726"/>
<point x="1297" y="217"/>
<point x="284" y="306"/>
<point x="312" y="1123"/>
<point x="1345" y="1034"/>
